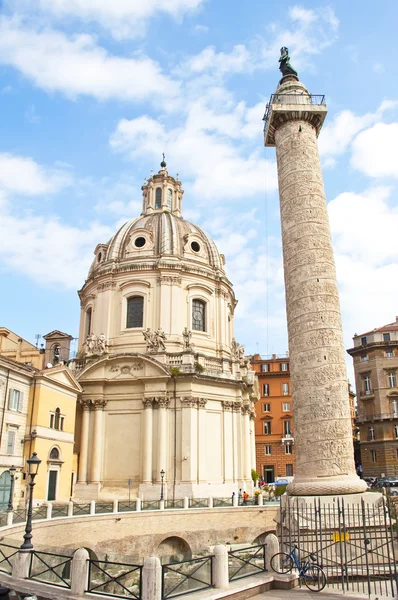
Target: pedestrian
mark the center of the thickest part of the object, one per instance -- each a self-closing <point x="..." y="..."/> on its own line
<point x="245" y="498"/>
<point x="240" y="497"/>
<point x="233" y="497"/>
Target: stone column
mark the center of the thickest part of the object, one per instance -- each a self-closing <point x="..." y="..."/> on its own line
<point x="253" y="439"/>
<point x="202" y="450"/>
<point x="147" y="441"/>
<point x="247" y="452"/>
<point x="237" y="429"/>
<point x="189" y="432"/>
<point x="84" y="435"/>
<point x="228" y="442"/>
<point x="322" y="423"/>
<point x="163" y="403"/>
<point x="96" y="459"/>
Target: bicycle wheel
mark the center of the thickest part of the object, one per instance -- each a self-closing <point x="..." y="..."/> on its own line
<point x="281" y="563"/>
<point x="314" y="578"/>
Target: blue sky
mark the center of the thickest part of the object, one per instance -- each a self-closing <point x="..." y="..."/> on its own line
<point x="92" y="92"/>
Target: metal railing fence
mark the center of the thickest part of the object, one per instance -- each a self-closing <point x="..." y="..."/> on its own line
<point x="103" y="507"/>
<point x="246" y="562"/>
<point x="127" y="506"/>
<point x="120" y="580"/>
<point x="150" y="505"/>
<point x="6" y="552"/>
<point x="59" y="510"/>
<point x="81" y="509"/>
<point x="219" y="502"/>
<point x="53" y="569"/>
<point x="185" y="577"/>
<point x="354" y="543"/>
<point x="174" y="504"/>
<point x="198" y="503"/>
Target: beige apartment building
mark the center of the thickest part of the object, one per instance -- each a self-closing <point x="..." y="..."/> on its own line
<point x="375" y="355"/>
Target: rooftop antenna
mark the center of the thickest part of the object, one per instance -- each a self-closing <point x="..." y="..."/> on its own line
<point x="37" y="337"/>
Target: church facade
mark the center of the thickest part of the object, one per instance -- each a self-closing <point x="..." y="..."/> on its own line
<point x="167" y="407"/>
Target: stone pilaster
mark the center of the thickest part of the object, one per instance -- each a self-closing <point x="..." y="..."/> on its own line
<point x="84" y="437"/>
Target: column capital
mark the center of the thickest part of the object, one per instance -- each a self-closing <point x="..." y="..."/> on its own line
<point x="85" y="403"/>
<point x="162" y="401"/>
<point x="99" y="403"/>
<point x="246" y="410"/>
<point x="202" y="402"/>
<point x="227" y="405"/>
<point x="147" y="402"/>
<point x="189" y="401"/>
<point x="237" y="407"/>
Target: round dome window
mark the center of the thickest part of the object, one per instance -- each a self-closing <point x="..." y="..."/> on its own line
<point x="140" y="242"/>
<point x="195" y="246"/>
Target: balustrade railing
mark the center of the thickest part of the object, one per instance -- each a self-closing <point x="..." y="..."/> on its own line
<point x="54" y="569"/>
<point x="187" y="576"/>
<point x="246" y="562"/>
<point x="120" y="580"/>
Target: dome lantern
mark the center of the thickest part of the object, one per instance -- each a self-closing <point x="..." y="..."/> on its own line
<point x="162" y="193"/>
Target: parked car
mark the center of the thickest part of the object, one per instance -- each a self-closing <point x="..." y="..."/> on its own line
<point x="370" y="481"/>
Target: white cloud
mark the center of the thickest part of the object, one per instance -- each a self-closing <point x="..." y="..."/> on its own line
<point x="307" y="34"/>
<point x="338" y="134"/>
<point x="216" y="166"/>
<point x="22" y="175"/>
<point x="123" y="18"/>
<point x="363" y="227"/>
<point x="201" y="29"/>
<point x="49" y="251"/>
<point x="375" y="151"/>
<point x="76" y="65"/>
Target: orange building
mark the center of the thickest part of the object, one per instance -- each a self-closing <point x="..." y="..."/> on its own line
<point x="274" y="418"/>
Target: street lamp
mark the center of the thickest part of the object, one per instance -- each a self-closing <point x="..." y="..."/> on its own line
<point x="12" y="471"/>
<point x="162" y="474"/>
<point x="33" y="467"/>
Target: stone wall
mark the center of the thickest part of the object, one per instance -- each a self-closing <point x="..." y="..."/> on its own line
<point x="121" y="536"/>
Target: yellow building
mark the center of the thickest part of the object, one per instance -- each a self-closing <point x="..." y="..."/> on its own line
<point x="14" y="347"/>
<point x="50" y="432"/>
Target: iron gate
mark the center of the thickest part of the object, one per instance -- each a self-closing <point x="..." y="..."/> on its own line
<point x="354" y="543"/>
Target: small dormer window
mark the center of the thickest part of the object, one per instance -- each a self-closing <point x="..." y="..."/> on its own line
<point x="158" y="198"/>
<point x="99" y="257"/>
<point x="169" y="199"/>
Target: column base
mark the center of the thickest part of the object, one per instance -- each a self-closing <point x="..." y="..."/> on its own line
<point x="340" y="485"/>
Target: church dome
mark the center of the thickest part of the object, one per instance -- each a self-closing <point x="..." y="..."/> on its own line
<point x="159" y="233"/>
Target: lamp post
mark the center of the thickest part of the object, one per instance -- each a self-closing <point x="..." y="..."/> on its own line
<point x="33" y="467"/>
<point x="162" y="474"/>
<point x="12" y="471"/>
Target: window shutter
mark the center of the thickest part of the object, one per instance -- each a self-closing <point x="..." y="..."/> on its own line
<point x="10" y="396"/>
<point x="20" y="402"/>
<point x="10" y="441"/>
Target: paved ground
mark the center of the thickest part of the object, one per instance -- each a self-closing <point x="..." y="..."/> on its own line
<point x="304" y="594"/>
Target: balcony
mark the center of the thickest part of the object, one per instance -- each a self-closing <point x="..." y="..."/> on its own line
<point x="366" y="395"/>
<point x="376" y="417"/>
<point x="296" y="104"/>
<point x="287" y="439"/>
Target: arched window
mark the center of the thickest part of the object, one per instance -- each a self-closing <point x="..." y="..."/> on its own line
<point x="158" y="198"/>
<point x="198" y="315"/>
<point x="169" y="199"/>
<point x="54" y="454"/>
<point x="89" y="313"/>
<point x="135" y="312"/>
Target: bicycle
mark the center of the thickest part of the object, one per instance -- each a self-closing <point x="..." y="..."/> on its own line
<point x="310" y="573"/>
